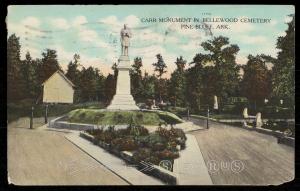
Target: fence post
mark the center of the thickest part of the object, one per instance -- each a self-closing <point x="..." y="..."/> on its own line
<point x="31" y="118"/>
<point x="207" y="123"/>
<point x="188" y="110"/>
<point x="46" y="114"/>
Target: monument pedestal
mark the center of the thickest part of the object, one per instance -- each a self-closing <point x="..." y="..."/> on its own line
<point x="123" y="99"/>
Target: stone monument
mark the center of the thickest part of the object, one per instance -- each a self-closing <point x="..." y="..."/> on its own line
<point x="245" y="113"/>
<point x="216" y="105"/>
<point x="123" y="99"/>
<point x="258" y="120"/>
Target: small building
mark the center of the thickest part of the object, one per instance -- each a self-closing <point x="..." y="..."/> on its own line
<point x="58" y="89"/>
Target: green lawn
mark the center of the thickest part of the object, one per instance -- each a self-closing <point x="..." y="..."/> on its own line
<point x="102" y="117"/>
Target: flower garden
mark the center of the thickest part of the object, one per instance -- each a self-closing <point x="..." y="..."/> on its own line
<point x="162" y="144"/>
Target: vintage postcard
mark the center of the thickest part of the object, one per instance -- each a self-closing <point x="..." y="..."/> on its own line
<point x="151" y="94"/>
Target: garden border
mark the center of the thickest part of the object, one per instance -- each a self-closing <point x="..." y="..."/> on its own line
<point x="157" y="171"/>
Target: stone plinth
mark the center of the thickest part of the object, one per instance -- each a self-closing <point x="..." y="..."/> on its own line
<point x="123" y="99"/>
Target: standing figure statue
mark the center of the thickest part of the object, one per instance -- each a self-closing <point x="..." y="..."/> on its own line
<point x="125" y="43"/>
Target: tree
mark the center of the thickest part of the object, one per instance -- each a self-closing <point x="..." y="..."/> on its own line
<point x="136" y="78"/>
<point x="110" y="87"/>
<point x="48" y="65"/>
<point x="115" y="69"/>
<point x="256" y="83"/>
<point x="194" y="82"/>
<point x="13" y="68"/>
<point x="73" y="74"/>
<point x="28" y="73"/>
<point x="148" y="85"/>
<point x="177" y="83"/>
<point x="88" y="84"/>
<point x="160" y="67"/>
<point x="283" y="81"/>
<point x="73" y="71"/>
<point x="100" y="88"/>
<point x="161" y="88"/>
<point x="222" y="57"/>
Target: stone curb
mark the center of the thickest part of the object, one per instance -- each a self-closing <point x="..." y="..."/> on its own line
<point x="191" y="168"/>
<point x="156" y="171"/>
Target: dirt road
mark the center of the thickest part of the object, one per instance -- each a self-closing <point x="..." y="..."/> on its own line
<point x="238" y="156"/>
<point x="45" y="157"/>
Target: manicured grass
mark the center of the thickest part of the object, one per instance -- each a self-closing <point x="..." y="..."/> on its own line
<point x="102" y="117"/>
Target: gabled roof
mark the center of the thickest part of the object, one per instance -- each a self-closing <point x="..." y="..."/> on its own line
<point x="62" y="75"/>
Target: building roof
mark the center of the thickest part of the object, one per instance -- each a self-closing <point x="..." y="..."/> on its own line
<point x="62" y="75"/>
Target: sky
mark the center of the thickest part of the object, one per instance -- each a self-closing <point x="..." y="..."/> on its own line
<point x="93" y="31"/>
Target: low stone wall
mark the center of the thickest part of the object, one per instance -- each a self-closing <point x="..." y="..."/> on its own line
<point x="287" y="141"/>
<point x="73" y="126"/>
<point x="281" y="138"/>
<point x="249" y="120"/>
<point x="157" y="171"/>
<point x="60" y="123"/>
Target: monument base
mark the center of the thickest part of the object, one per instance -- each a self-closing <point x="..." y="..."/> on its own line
<point x="122" y="102"/>
<point x="123" y="99"/>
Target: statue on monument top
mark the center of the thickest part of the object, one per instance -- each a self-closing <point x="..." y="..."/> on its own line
<point x="125" y="43"/>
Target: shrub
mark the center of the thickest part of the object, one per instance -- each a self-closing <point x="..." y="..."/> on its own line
<point x="111" y="129"/>
<point x="122" y="132"/>
<point x="171" y="145"/>
<point x="142" y="141"/>
<point x="94" y="131"/>
<point x="277" y="112"/>
<point x="141" y="154"/>
<point x="158" y="146"/>
<point x="228" y="108"/>
<point x="124" y="144"/>
<point x="163" y="132"/>
<point x="283" y="126"/>
<point x="166" y="154"/>
<point x="138" y="130"/>
<point x="155" y="139"/>
<point x="107" y="136"/>
<point x="178" y="133"/>
<point x="180" y="137"/>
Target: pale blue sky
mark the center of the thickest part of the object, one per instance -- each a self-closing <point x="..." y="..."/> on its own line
<point x="93" y="31"/>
